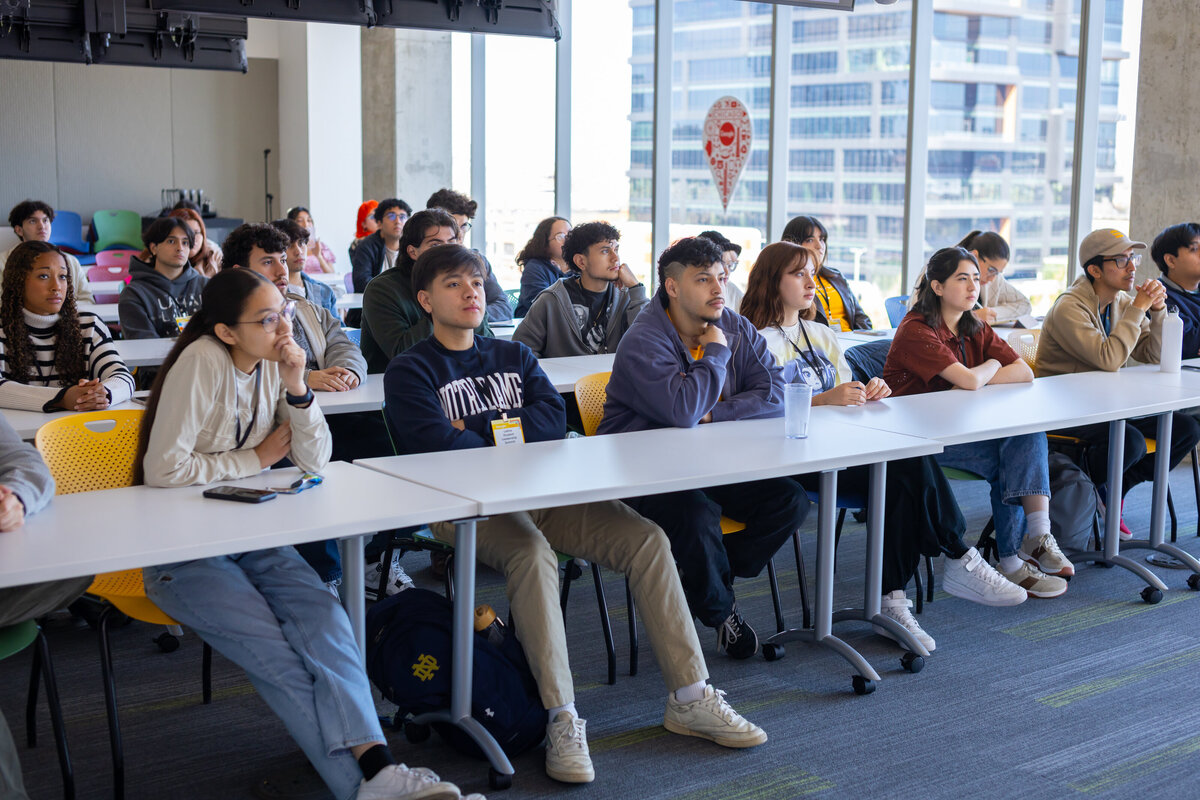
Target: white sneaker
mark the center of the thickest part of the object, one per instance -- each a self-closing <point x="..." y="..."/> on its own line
<point x="397" y="582"/>
<point x="896" y="606"/>
<point x="332" y="588"/>
<point x="1043" y="552"/>
<point x="567" y="757"/>
<point x="712" y="718"/>
<point x="972" y="578"/>
<point x="398" y="782"/>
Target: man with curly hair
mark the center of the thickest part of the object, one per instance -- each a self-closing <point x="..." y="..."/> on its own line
<point x="589" y="311"/>
<point x="463" y="209"/>
<point x="30" y="221"/>
<point x="688" y="360"/>
<point x="163" y="291"/>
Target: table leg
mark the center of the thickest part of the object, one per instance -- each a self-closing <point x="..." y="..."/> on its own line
<point x="1112" y="518"/>
<point x="354" y="598"/>
<point x="822" y="632"/>
<point x="1158" y="510"/>
<point x="463" y="639"/>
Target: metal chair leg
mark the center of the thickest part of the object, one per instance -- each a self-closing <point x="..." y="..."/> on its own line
<point x="206" y="674"/>
<point x="920" y="603"/>
<point x="1174" y="518"/>
<point x="42" y="656"/>
<point x="633" y="632"/>
<point x="110" y="704"/>
<point x="929" y="581"/>
<point x="35" y="672"/>
<point x="802" y="578"/>
<point x="605" y="624"/>
<point x="1196" y="479"/>
<point x="779" y="627"/>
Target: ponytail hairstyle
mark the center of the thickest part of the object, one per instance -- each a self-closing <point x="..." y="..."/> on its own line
<point x="762" y="306"/>
<point x="989" y="245"/>
<point x="800" y="228"/>
<point x="70" y="363"/>
<point x="222" y="302"/>
<point x="941" y="266"/>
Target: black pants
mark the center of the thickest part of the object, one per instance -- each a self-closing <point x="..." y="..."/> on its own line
<point x="770" y="509"/>
<point x="921" y="515"/>
<point x="1138" y="468"/>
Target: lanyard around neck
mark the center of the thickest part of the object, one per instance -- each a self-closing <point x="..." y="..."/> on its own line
<point x="240" y="437"/>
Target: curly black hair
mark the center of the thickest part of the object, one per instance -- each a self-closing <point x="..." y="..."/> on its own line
<point x="580" y="238"/>
<point x="387" y="205"/>
<point x="26" y="209"/>
<point x="70" y="363"/>
<point x="720" y="240"/>
<point x="691" y="251"/>
<point x="452" y="202"/>
<point x="243" y="238"/>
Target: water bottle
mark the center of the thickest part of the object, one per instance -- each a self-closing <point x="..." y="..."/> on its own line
<point x="1172" y="342"/>
<point x="487" y="624"/>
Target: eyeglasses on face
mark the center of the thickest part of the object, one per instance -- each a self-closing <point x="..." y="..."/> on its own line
<point x="1126" y="262"/>
<point x="270" y="322"/>
<point x="392" y="216"/>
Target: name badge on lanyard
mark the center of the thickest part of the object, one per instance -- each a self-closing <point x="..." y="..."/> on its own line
<point x="507" y="431"/>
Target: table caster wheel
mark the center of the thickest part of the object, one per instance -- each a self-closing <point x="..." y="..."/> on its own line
<point x="415" y="732"/>
<point x="862" y="685"/>
<point x="498" y="780"/>
<point x="912" y="662"/>
<point x="774" y="652"/>
<point x="1193" y="582"/>
<point x="166" y="642"/>
<point x="1151" y="595"/>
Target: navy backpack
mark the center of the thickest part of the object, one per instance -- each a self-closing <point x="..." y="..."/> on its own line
<point x="408" y="658"/>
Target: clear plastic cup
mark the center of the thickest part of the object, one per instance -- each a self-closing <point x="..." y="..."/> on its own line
<point x="797" y="402"/>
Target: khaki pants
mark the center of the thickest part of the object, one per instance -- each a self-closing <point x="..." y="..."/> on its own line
<point x="523" y="546"/>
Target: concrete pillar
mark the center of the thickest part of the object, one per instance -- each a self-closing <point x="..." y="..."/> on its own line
<point x="406" y="114"/>
<point x="320" y="128"/>
<point x="1166" y="155"/>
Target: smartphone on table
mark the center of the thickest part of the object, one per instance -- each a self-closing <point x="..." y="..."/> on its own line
<point x="240" y="494"/>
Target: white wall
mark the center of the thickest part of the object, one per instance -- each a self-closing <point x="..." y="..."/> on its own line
<point x="85" y="138"/>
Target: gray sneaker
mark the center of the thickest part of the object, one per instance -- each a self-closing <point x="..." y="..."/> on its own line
<point x="1036" y="582"/>
<point x="972" y="578"/>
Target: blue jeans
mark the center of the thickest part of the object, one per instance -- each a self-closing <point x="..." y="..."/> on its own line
<point x="1015" y="467"/>
<point x="267" y="612"/>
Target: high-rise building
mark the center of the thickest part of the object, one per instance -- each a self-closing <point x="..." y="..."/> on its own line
<point x="1001" y="123"/>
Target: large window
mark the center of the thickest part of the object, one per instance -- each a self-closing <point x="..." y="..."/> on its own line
<point x="858" y="116"/>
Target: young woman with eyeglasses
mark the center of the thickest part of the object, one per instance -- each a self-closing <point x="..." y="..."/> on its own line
<point x="228" y="402"/>
<point x="923" y="517"/>
<point x="541" y="261"/>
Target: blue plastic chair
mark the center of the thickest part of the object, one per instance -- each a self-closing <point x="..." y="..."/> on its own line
<point x="67" y="232"/>
<point x="896" y="307"/>
<point x="355" y="335"/>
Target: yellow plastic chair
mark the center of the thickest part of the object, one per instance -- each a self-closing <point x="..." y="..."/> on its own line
<point x="591" y="392"/>
<point x="1026" y="344"/>
<point x="90" y="452"/>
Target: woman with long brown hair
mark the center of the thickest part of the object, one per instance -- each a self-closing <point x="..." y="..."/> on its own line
<point x="541" y="261"/>
<point x="52" y="356"/>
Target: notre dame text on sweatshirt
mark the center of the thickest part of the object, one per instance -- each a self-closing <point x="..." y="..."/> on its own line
<point x="427" y="387"/>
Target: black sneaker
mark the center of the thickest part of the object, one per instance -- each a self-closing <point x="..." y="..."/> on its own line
<point x="736" y="638"/>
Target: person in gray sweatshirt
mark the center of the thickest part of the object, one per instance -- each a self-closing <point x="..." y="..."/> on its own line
<point x="589" y="311"/>
<point x="163" y="291"/>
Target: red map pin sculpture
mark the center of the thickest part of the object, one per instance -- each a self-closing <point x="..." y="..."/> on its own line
<point x="727" y="144"/>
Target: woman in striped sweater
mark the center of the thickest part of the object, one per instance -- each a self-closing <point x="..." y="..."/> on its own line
<point x="52" y="357"/>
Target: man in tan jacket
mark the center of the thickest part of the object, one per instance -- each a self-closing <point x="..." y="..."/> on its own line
<point x="1097" y="325"/>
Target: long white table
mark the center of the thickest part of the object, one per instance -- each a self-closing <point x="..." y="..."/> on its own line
<point x="107" y="312"/>
<point x="140" y="526"/>
<point x="1049" y="404"/>
<point x="351" y="300"/>
<point x="567" y="472"/>
<point x="143" y="352"/>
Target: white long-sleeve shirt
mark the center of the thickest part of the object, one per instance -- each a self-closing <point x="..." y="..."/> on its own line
<point x="33" y="392"/>
<point x="205" y="398"/>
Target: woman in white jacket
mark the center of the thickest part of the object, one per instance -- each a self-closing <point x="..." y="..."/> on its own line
<point x="230" y="401"/>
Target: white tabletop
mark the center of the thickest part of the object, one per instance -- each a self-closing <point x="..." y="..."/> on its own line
<point x="139" y="526"/>
<point x="328" y="278"/>
<point x="346" y="301"/>
<point x="1046" y="404"/>
<point x="107" y="312"/>
<point x="851" y="338"/>
<point x="547" y="474"/>
<point x="504" y="330"/>
<point x="564" y="372"/>
<point x="143" y="352"/>
<point x="106" y="287"/>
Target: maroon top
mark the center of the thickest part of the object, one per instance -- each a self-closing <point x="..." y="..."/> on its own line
<point x="919" y="353"/>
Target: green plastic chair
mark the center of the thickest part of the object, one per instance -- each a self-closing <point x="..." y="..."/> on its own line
<point x="514" y="297"/>
<point x="14" y="639"/>
<point x="115" y="228"/>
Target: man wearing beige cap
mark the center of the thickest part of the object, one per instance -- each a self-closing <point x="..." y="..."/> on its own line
<point x="1096" y="324"/>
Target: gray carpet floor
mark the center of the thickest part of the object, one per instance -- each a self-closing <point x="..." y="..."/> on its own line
<point x="1084" y="695"/>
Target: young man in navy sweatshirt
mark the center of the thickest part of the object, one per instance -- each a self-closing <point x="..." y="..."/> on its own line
<point x="688" y="360"/>
<point x="1176" y="251"/>
<point x="444" y="393"/>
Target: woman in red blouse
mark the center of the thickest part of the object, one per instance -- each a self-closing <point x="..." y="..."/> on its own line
<point x="941" y="345"/>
